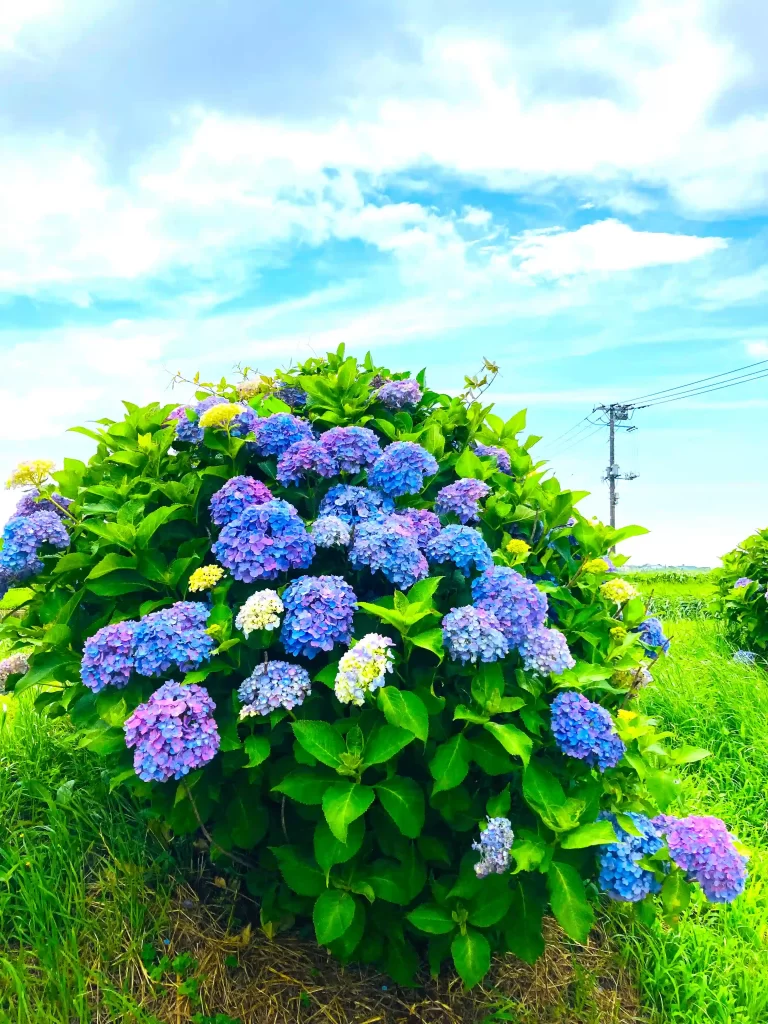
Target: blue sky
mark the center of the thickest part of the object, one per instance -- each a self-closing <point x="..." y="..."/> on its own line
<point x="579" y="196"/>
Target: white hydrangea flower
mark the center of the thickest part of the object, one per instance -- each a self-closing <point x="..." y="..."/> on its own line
<point x="363" y="668"/>
<point x="262" y="610"/>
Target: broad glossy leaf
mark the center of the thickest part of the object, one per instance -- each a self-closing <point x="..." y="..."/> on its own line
<point x="403" y="800"/>
<point x="343" y="802"/>
<point x="597" y="833"/>
<point x="384" y="743"/>
<point x="257" y="748"/>
<point x="471" y="957"/>
<point x="405" y="710"/>
<point x="431" y="919"/>
<point x="320" y="740"/>
<point x="333" y="913"/>
<point x="450" y="764"/>
<point x="514" y="740"/>
<point x="569" y="901"/>
<point x="330" y="851"/>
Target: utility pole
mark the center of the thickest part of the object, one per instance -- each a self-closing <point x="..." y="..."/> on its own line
<point x="617" y="414"/>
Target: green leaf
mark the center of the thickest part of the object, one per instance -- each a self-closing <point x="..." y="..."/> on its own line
<point x="403" y="800"/>
<point x="598" y="833"/>
<point x="299" y="873"/>
<point x="405" y="710"/>
<point x="424" y="590"/>
<point x="384" y="744"/>
<point x="569" y="901"/>
<point x="431" y="640"/>
<point x="343" y="802"/>
<point x="470" y="465"/>
<point x="304" y="787"/>
<point x="333" y="913"/>
<point x="531" y="852"/>
<point x="151" y="523"/>
<point x="257" y="748"/>
<point x="73" y="560"/>
<point x="542" y="792"/>
<point x="663" y="787"/>
<point x="514" y="740"/>
<point x="625" y="822"/>
<point x="471" y="957"/>
<point x="687" y="754"/>
<point x="321" y="741"/>
<point x="329" y="850"/>
<point x="450" y="764"/>
<point x="246" y="818"/>
<point x="465" y="714"/>
<point x="49" y="668"/>
<point x="16" y="598"/>
<point x="491" y="901"/>
<point x="523" y="926"/>
<point x="675" y="895"/>
<point x="431" y="919"/>
<point x="388" y="882"/>
<point x="111" y="563"/>
<point x="500" y="804"/>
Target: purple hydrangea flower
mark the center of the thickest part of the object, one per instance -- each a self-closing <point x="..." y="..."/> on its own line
<point x="401" y="468"/>
<point x="516" y="602"/>
<point x="13" y="665"/>
<point x="652" y="637"/>
<point x="397" y="394"/>
<point x="621" y="876"/>
<point x="389" y="546"/>
<point x="108" y="656"/>
<point x="352" y="448"/>
<point x="462" y="545"/>
<point x="501" y="456"/>
<point x="704" y="848"/>
<point x="306" y="456"/>
<point x="462" y="499"/>
<point x="294" y="397"/>
<point x="472" y="634"/>
<point x="7" y="580"/>
<point x="495" y="847"/>
<point x="188" y="429"/>
<point x="331" y="532"/>
<point x="585" y="730"/>
<point x="355" y="504"/>
<point x="273" y="684"/>
<point x="23" y="536"/>
<point x="31" y="502"/>
<point x="173" y="733"/>
<point x="237" y="494"/>
<point x="246" y="423"/>
<point x="545" y="651"/>
<point x="172" y="636"/>
<point x="318" y="614"/>
<point x="264" y="541"/>
<point x="425" y="524"/>
<point x="742" y="583"/>
<point x="278" y="432"/>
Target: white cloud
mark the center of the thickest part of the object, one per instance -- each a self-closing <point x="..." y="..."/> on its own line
<point x="757" y="348"/>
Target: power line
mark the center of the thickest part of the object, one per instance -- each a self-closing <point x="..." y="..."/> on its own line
<point x="690" y="384"/>
<point x="570" y="429"/>
<point x="704" y="391"/>
<point x="581" y="439"/>
<point x="578" y="436"/>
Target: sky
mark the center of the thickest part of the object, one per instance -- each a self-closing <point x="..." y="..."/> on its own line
<point x="575" y="191"/>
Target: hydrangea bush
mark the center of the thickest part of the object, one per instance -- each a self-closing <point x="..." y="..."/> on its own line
<point x="353" y="630"/>
<point x="742" y="599"/>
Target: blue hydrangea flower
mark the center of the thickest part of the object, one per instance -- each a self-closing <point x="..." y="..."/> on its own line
<point x="351" y="448"/>
<point x="188" y="429"/>
<point x="306" y="456"/>
<point x="6" y="582"/>
<point x="514" y="600"/>
<point x="401" y="468"/>
<point x="463" y="546"/>
<point x="472" y="634"/>
<point x="503" y="461"/>
<point x="398" y="394"/>
<point x="742" y="583"/>
<point x="425" y="524"/>
<point x="273" y="684"/>
<point x="331" y="532"/>
<point x="355" y="504"/>
<point x="318" y="614"/>
<point x="237" y="494"/>
<point x="108" y="656"/>
<point x="744" y="657"/>
<point x="278" y="432"/>
<point x="462" y="499"/>
<point x="495" y="847"/>
<point x="703" y="847"/>
<point x="389" y="546"/>
<point x="264" y="541"/>
<point x="31" y="502"/>
<point x="621" y="876"/>
<point x="246" y="423"/>
<point x="545" y="651"/>
<point x="294" y="397"/>
<point x="585" y="730"/>
<point x="24" y="536"/>
<point x="652" y="637"/>
<point x="173" y="733"/>
<point x="172" y="636"/>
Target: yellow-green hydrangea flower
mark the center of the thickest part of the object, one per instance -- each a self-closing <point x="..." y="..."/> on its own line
<point x="205" y="578"/>
<point x="618" y="590"/>
<point x="517" y="547"/>
<point x="220" y="415"/>
<point x="595" y="566"/>
<point x="618" y="633"/>
<point x="31" y="474"/>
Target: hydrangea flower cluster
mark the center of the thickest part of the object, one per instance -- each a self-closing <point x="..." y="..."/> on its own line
<point x="500" y="455"/>
<point x="271" y="685"/>
<point x="331" y="532"/>
<point x="187" y="419"/>
<point x="23" y="536"/>
<point x="305" y="456"/>
<point x="261" y="610"/>
<point x="424" y="524"/>
<point x="205" y="578"/>
<point x="632" y="678"/>
<point x="278" y="432"/>
<point x="495" y="848"/>
<point x="363" y="668"/>
<point x="462" y="499"/>
<point x="595" y="566"/>
<point x="618" y="590"/>
<point x="108" y="656"/>
<point x="31" y="502"/>
<point x="264" y="541"/>
<point x="318" y="614"/>
<point x="516" y="602"/>
<point x="355" y="504"/>
<point x="13" y="665"/>
<point x="389" y="546"/>
<point x="172" y="636"/>
<point x="621" y="876"/>
<point x="351" y="448"/>
<point x="517" y="547"/>
<point x="585" y="730"/>
<point x="546" y="651"/>
<point x="237" y="494"/>
<point x="32" y="473"/>
<point x="294" y="397"/>
<point x="651" y="633"/>
<point x="173" y="733"/>
<point x="744" y="657"/>
<point x="703" y="847"/>
<point x="398" y="394"/>
<point x="463" y="546"/>
<point x="224" y="415"/>
<point x="401" y="468"/>
<point x="742" y="583"/>
<point x="473" y="634"/>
